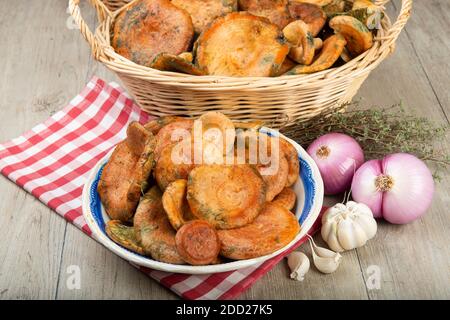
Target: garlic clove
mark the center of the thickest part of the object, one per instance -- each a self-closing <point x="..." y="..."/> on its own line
<point x="350" y="235"/>
<point x="325" y="253"/>
<point x="329" y="233"/>
<point x="325" y="260"/>
<point x="298" y="262"/>
<point x="369" y="224"/>
<point x="345" y="234"/>
<point x="326" y="265"/>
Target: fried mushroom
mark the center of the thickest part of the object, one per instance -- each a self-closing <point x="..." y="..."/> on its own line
<point x="157" y="124"/>
<point x="153" y="229"/>
<point x="198" y="243"/>
<point x="126" y="173"/>
<point x="148" y="27"/>
<point x="359" y="38"/>
<point x="276" y="178"/>
<point x="299" y="35"/>
<point x="171" y="133"/>
<point x="309" y="13"/>
<point x="203" y="12"/>
<point x="320" y="3"/>
<point x="291" y="155"/>
<point x="287" y="65"/>
<point x="175" y="203"/>
<point x="169" y="62"/>
<point x="216" y="128"/>
<point x="241" y="44"/>
<point x="331" y="51"/>
<point x="286" y="198"/>
<point x="123" y="235"/>
<point x="274" y="10"/>
<point x="226" y="196"/>
<point x="172" y="165"/>
<point x="273" y="229"/>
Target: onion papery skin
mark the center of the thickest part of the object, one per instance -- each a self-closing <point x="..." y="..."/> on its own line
<point x="338" y="167"/>
<point x="410" y="194"/>
<point x="363" y="186"/>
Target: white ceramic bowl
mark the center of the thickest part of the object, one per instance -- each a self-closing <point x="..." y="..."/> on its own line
<point x="309" y="190"/>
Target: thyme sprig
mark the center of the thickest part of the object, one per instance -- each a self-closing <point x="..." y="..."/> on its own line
<point x="379" y="132"/>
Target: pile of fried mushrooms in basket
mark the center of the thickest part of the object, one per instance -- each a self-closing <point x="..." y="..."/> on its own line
<point x="261" y="38"/>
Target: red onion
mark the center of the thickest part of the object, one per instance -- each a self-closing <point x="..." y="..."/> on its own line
<point x="398" y="188"/>
<point x="338" y="156"/>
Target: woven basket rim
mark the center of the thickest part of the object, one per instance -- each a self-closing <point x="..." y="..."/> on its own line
<point x="384" y="44"/>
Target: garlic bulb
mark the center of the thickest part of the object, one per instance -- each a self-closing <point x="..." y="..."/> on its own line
<point x="325" y="260"/>
<point x="298" y="262"/>
<point x="348" y="226"/>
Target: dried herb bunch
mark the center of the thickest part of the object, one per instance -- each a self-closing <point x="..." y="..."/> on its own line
<point x="379" y="131"/>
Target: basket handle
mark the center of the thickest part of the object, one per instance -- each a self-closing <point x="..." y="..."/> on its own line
<point x="397" y="27"/>
<point x="96" y="46"/>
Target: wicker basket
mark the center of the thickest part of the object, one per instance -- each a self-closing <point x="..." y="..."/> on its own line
<point x="276" y="100"/>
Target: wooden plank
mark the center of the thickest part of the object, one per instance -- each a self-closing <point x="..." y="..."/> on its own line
<point x="32" y="240"/>
<point x="413" y="260"/>
<point x="103" y="274"/>
<point x="42" y="68"/>
<point x="431" y="44"/>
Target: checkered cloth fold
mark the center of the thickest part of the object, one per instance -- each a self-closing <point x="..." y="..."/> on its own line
<point x="52" y="161"/>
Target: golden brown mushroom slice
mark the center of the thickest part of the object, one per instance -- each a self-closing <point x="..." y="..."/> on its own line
<point x="345" y="55"/>
<point x="170" y="62"/>
<point x="240" y="44"/>
<point x="287" y="65"/>
<point x="275" y="179"/>
<point x="274" y="10"/>
<point x="320" y="3"/>
<point x="335" y="7"/>
<point x="157" y="124"/>
<point x="215" y="128"/>
<point x="227" y="196"/>
<point x="318" y="44"/>
<point x="249" y="125"/>
<point x="271" y="163"/>
<point x="274" y="228"/>
<point x="291" y="155"/>
<point x="123" y="235"/>
<point x="172" y="165"/>
<point x="297" y="52"/>
<point x="331" y="51"/>
<point x="153" y="229"/>
<point x="286" y="198"/>
<point x="359" y="38"/>
<point x="311" y="14"/>
<point x="368" y="13"/>
<point x="188" y="56"/>
<point x="203" y="12"/>
<point x="198" y="243"/>
<point x="148" y="27"/>
<point x="171" y="133"/>
<point x="299" y="35"/>
<point x="175" y="203"/>
<point x="125" y="175"/>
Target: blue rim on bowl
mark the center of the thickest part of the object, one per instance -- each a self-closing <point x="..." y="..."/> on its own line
<point x="308" y="188"/>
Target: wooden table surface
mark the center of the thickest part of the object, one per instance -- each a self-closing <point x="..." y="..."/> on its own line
<point x="43" y="64"/>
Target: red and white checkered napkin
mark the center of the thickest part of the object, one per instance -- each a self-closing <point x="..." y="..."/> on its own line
<point x="53" y="160"/>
